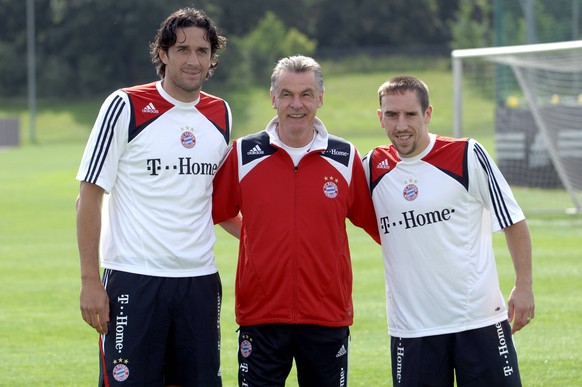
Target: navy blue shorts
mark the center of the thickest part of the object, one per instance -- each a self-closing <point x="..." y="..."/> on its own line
<point x="266" y="354"/>
<point x="161" y="331"/>
<point x="479" y="357"/>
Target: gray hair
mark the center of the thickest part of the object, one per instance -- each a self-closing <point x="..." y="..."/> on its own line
<point x="296" y="64"/>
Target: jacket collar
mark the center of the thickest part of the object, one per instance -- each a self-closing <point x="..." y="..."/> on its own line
<point x="319" y="144"/>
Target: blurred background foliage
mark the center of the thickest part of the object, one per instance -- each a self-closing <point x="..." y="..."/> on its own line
<point x="87" y="48"/>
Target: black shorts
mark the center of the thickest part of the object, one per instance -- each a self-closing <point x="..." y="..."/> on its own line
<point x="161" y="331"/>
<point x="266" y="354"/>
<point x="479" y="357"/>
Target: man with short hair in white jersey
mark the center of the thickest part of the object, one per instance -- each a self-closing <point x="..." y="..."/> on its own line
<point x="152" y="154"/>
<point x="437" y="200"/>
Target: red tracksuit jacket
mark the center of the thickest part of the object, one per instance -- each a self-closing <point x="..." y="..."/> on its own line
<point x="294" y="262"/>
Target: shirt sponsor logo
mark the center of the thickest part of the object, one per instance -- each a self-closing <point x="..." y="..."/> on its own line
<point x="184" y="166"/>
<point x="410" y="219"/>
<point x="336" y="152"/>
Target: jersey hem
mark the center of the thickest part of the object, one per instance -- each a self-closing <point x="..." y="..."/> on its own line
<point x="163" y="273"/>
<point x="331" y="324"/>
<point x="449" y="329"/>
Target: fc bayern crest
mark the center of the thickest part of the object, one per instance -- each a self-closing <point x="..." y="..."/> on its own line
<point x="330" y="189"/>
<point x="120" y="372"/>
<point x="410" y="192"/>
<point x="246" y="348"/>
<point x="188" y="140"/>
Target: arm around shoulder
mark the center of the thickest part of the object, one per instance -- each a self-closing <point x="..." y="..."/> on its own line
<point x="233" y="226"/>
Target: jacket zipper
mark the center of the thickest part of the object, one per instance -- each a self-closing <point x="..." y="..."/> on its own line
<point x="294" y="254"/>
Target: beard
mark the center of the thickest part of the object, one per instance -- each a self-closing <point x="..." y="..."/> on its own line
<point x="406" y="150"/>
<point x="185" y="83"/>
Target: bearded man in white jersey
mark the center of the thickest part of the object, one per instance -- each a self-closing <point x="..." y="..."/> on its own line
<point x="437" y="200"/>
<point x="152" y="154"/>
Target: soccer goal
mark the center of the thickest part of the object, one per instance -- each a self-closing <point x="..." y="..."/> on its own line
<point x="536" y="94"/>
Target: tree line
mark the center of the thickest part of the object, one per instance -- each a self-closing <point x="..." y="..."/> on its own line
<point x="88" y="47"/>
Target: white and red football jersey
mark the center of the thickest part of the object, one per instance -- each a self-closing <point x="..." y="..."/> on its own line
<point x="436" y="214"/>
<point x="157" y="157"/>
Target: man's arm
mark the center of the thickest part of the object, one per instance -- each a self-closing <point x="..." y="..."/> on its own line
<point x="94" y="301"/>
<point x="361" y="212"/>
<point x="521" y="300"/>
<point x="233" y="226"/>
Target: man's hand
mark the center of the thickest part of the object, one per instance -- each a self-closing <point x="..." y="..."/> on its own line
<point x="95" y="305"/>
<point x="521" y="307"/>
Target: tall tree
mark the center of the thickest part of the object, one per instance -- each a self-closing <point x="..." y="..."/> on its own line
<point x="88" y="47"/>
<point x="12" y="47"/>
<point x="472" y="25"/>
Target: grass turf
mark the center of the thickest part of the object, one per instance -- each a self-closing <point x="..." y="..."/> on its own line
<point x="44" y="341"/>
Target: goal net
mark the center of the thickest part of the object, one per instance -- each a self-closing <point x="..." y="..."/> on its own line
<point x="534" y="94"/>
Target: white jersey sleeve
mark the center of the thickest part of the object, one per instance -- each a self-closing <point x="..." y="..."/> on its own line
<point x="490" y="188"/>
<point x="107" y="142"/>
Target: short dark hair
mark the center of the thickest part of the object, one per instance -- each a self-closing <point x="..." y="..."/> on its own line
<point x="183" y="18"/>
<point x="403" y="83"/>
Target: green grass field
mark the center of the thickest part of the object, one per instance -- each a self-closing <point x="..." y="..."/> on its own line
<point x="44" y="341"/>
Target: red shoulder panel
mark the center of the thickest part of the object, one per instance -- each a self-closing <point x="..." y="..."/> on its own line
<point x="147" y="103"/>
<point x="449" y="154"/>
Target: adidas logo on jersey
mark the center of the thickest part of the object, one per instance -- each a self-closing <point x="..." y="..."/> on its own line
<point x="150" y="108"/>
<point x="256" y="151"/>
<point x="341" y="352"/>
<point x="383" y="164"/>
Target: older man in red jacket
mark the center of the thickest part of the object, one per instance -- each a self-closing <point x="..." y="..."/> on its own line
<point x="295" y="185"/>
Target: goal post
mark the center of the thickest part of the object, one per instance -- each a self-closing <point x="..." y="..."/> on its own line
<point x="537" y="95"/>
